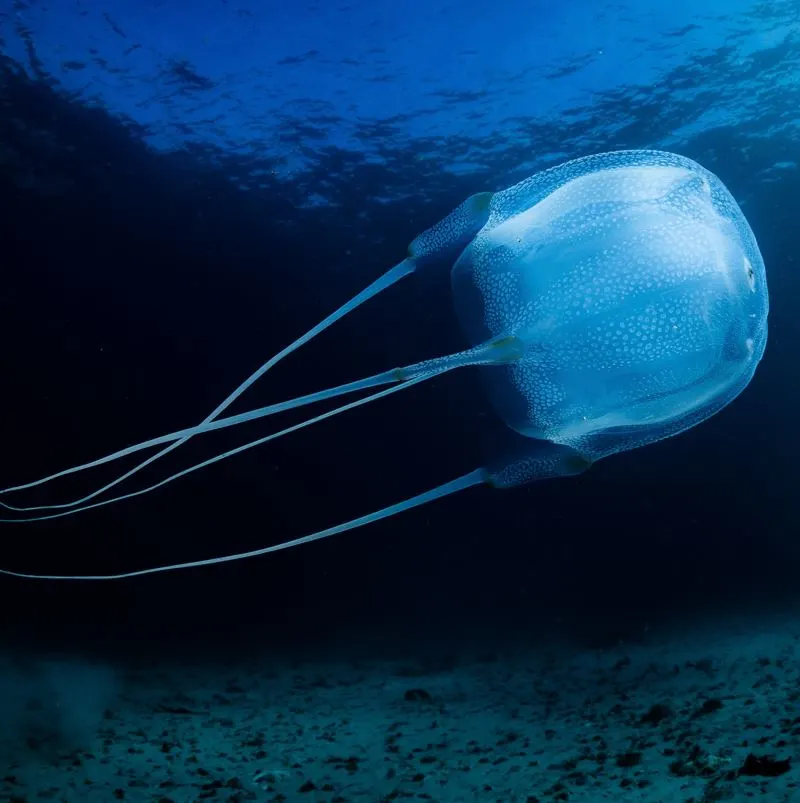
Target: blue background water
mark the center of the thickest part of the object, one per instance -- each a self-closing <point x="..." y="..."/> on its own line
<point x="189" y="187"/>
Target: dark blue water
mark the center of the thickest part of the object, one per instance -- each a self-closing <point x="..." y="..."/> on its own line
<point x="186" y="190"/>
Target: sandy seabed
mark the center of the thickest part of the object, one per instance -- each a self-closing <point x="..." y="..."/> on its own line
<point x="699" y="717"/>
